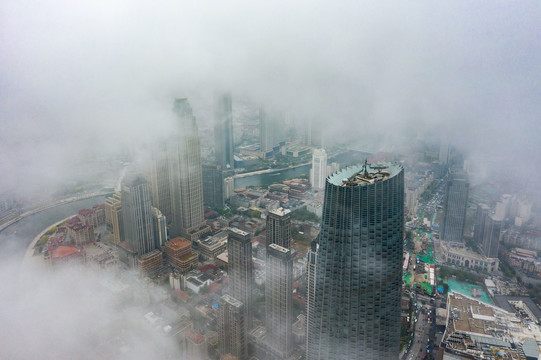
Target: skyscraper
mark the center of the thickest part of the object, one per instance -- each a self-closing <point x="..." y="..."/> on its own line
<point x="185" y="175"/>
<point x="240" y="269"/>
<point x="223" y="131"/>
<point x="113" y="217"/>
<point x="483" y="210"/>
<point x="311" y="266"/>
<point x="266" y="139"/>
<point x="358" y="275"/>
<point x="213" y="185"/>
<point x="318" y="173"/>
<point x="278" y="300"/>
<point x="454" y="208"/>
<point x="232" y="335"/>
<point x="137" y="214"/>
<point x="279" y="227"/>
<point x="159" y="179"/>
<point x="491" y="236"/>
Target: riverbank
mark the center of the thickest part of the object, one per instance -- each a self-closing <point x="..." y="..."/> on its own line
<point x="49" y="206"/>
<point x="267" y="171"/>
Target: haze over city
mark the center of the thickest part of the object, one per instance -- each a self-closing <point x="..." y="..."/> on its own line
<point x="82" y="83"/>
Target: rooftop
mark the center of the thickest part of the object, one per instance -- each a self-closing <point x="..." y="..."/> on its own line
<point x="177" y="243"/>
<point x="280" y="211"/>
<point x="362" y="175"/>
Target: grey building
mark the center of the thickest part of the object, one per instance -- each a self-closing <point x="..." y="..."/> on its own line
<point x="358" y="275"/>
<point x="278" y="300"/>
<point x="137" y="214"/>
<point x="279" y="227"/>
<point x="483" y="210"/>
<point x="454" y="208"/>
<point x="159" y="223"/>
<point x="213" y="186"/>
<point x="159" y="178"/>
<point x="491" y="236"/>
<point x="232" y="335"/>
<point x="223" y="131"/>
<point x="186" y="181"/>
<point x="240" y="270"/>
<point x="311" y="266"/>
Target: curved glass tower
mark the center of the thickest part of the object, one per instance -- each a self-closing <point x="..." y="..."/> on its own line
<point x="355" y="310"/>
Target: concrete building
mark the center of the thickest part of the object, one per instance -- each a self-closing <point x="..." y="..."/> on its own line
<point x="240" y="270"/>
<point x="149" y="262"/>
<point x="186" y="181"/>
<point x="223" y="131"/>
<point x="355" y="311"/>
<point x="113" y="217"/>
<point x="232" y="335"/>
<point x="213" y="246"/>
<point x="137" y="214"/>
<point x="311" y="267"/>
<point x="318" y="173"/>
<point x="483" y="211"/>
<point x="178" y="253"/>
<point x="278" y="300"/>
<point x="159" y="179"/>
<point x="159" y="223"/>
<point x="279" y="227"/>
<point x="195" y="346"/>
<point x="491" y="236"/>
<point x="454" y="208"/>
<point x="213" y="183"/>
<point x="461" y="256"/>
<point x="229" y="187"/>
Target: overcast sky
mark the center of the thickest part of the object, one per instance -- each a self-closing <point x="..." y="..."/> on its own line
<point x="80" y="77"/>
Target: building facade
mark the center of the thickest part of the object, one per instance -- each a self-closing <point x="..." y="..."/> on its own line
<point x="213" y="186"/>
<point x="279" y="227"/>
<point x="185" y="174"/>
<point x="240" y="269"/>
<point x="223" y="132"/>
<point x="113" y="217"/>
<point x="491" y="236"/>
<point x="454" y="208"/>
<point x="137" y="214"/>
<point x="159" y="179"/>
<point x="355" y="304"/>
<point x="318" y="173"/>
<point x="278" y="300"/>
<point x="232" y="335"/>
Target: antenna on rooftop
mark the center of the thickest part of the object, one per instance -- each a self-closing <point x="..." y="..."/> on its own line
<point x="365" y="167"/>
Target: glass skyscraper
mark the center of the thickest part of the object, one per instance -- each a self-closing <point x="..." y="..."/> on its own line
<point x="355" y="303"/>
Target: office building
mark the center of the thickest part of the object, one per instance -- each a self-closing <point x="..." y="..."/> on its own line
<point x="229" y="187"/>
<point x="213" y="186"/>
<point x="149" y="262"/>
<point x="137" y="214"/>
<point x="279" y="227"/>
<point x="491" y="236"/>
<point x="358" y="276"/>
<point x="178" y="253"/>
<point x="318" y="173"/>
<point x="278" y="300"/>
<point x="223" y="131"/>
<point x="159" y="223"/>
<point x="186" y="181"/>
<point x="311" y="266"/>
<point x="483" y="210"/>
<point x="454" y="207"/>
<point x="240" y="269"/>
<point x="232" y="335"/>
<point x="113" y="217"/>
<point x="159" y="179"/>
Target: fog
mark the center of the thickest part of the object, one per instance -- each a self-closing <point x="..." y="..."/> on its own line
<point x="79" y="81"/>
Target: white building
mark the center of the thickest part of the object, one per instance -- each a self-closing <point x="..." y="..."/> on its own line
<point x="318" y="173"/>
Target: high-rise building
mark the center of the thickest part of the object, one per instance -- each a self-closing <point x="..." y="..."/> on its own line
<point x="223" y="131"/>
<point x="491" y="236"/>
<point x="213" y="185"/>
<point x="159" y="178"/>
<point x="185" y="175"/>
<point x="358" y="275"/>
<point x="240" y="269"/>
<point x="278" y="300"/>
<point x="311" y="266"/>
<point x="266" y="139"/>
<point x="318" y="173"/>
<point x="113" y="217"/>
<point x="454" y="208"/>
<point x="137" y="214"/>
<point x="232" y="335"/>
<point x="279" y="227"/>
<point x="159" y="223"/>
<point x="229" y="187"/>
<point x="483" y="210"/>
<point x="315" y="133"/>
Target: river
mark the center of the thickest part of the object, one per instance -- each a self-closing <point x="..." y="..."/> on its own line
<point x="15" y="239"/>
<point x="347" y="158"/>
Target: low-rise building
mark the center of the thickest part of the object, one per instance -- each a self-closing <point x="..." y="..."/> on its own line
<point x="149" y="262"/>
<point x="461" y="256"/>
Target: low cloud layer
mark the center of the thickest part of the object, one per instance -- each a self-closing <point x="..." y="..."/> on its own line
<point x="79" y="79"/>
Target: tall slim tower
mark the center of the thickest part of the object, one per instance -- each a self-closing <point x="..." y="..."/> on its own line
<point x="232" y="336"/>
<point x="483" y="210"/>
<point x="185" y="174"/>
<point x="491" y="236"/>
<point x="356" y="302"/>
<point x="319" y="169"/>
<point x="454" y="208"/>
<point x="278" y="300"/>
<point x="213" y="185"/>
<point x="137" y="214"/>
<point x="311" y="266"/>
<point x="266" y="134"/>
<point x="240" y="269"/>
<point x="223" y="131"/>
<point x="159" y="180"/>
<point x="279" y="227"/>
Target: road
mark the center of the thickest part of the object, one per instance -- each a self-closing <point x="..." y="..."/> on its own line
<point x="424" y="329"/>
